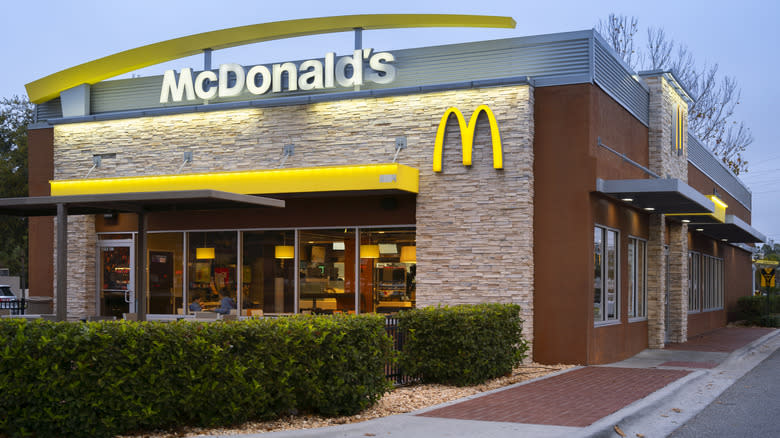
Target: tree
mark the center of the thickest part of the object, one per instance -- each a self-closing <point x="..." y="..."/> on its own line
<point x="15" y="114"/>
<point x="711" y="115"/>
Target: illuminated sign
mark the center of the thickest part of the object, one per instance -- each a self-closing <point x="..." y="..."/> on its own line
<point x="313" y="74"/>
<point x="467" y="137"/>
<point x="678" y="129"/>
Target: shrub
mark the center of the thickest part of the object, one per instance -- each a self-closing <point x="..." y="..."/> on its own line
<point x="462" y="345"/>
<point x="106" y="378"/>
<point x="750" y="308"/>
<point x="769" y="321"/>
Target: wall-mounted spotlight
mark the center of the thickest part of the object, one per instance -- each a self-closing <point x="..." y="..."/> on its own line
<point x="287" y="151"/>
<point x="187" y="160"/>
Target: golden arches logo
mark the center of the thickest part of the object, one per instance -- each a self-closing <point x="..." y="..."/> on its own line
<point x="467" y="137"/>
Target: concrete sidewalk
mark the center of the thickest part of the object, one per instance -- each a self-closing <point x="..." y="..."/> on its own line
<point x="650" y="394"/>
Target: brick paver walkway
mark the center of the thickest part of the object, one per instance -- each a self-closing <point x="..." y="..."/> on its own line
<point x="689" y="364"/>
<point x="577" y="398"/>
<point x="725" y="340"/>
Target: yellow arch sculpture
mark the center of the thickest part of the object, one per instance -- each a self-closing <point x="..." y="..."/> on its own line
<point x="51" y="86"/>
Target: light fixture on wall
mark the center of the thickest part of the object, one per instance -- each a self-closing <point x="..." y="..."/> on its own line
<point x="408" y="254"/>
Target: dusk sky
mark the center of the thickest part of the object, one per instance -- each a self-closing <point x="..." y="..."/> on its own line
<point x="43" y="37"/>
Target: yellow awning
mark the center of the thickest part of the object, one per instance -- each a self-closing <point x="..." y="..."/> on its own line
<point x="255" y="182"/>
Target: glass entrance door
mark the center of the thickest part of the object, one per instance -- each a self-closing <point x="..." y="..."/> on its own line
<point x="116" y="286"/>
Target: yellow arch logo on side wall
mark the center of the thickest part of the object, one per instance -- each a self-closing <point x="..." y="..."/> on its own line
<point x="467" y="137"/>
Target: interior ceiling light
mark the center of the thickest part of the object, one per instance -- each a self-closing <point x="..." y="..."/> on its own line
<point x="408" y="254"/>
<point x="369" y="251"/>
<point x="627" y="199"/>
<point x="700" y="229"/>
<point x="204" y="253"/>
<point x="649" y="209"/>
<point x="284" y="251"/>
<point x="686" y="221"/>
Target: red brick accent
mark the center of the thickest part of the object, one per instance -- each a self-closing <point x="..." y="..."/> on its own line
<point x="577" y="398"/>
<point x="726" y="339"/>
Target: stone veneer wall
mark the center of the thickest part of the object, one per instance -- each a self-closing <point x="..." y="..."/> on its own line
<point x="474" y="225"/>
<point x="656" y="282"/>
<point x="82" y="253"/>
<point x="666" y="162"/>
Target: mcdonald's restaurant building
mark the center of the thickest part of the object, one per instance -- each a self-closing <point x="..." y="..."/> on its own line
<point x="536" y="170"/>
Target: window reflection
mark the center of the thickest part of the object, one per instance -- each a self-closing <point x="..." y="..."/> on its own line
<point x="327" y="271"/>
<point x="165" y="273"/>
<point x="267" y="278"/>
<point x="212" y="271"/>
<point x="387" y="270"/>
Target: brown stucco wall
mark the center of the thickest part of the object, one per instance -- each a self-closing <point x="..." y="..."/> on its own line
<point x="41" y="231"/>
<point x="569" y="119"/>
<point x="564" y="173"/>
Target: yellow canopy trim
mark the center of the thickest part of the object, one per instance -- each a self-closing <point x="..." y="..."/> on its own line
<point x="256" y="182"/>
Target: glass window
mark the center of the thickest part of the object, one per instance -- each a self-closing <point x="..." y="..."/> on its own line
<point x="694" y="282"/>
<point x="712" y="283"/>
<point x="211" y="261"/>
<point x="388" y="264"/>
<point x="268" y="273"/>
<point x="606" y="293"/>
<point x="166" y="252"/>
<point x="637" y="278"/>
<point x="598" y="274"/>
<point x="327" y="271"/>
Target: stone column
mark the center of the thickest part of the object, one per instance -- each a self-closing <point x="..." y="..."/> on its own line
<point x="656" y="282"/>
<point x="678" y="279"/>
<point x="82" y="244"/>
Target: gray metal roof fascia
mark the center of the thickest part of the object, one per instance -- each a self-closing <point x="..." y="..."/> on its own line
<point x="726" y="168"/>
<point x="731" y="219"/>
<point x="289" y="101"/>
<point x="672" y="77"/>
<point x="569" y="79"/>
<point x="653" y="185"/>
<point x="597" y="36"/>
<point x="592" y="54"/>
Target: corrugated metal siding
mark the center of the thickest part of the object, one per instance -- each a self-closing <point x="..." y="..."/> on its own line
<point x="617" y="81"/>
<point x="550" y="60"/>
<point x="49" y="110"/>
<point x="704" y="160"/>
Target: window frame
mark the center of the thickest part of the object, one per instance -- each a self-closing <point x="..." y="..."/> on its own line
<point x="694" y="282"/>
<point x="635" y="283"/>
<point x="605" y="319"/>
<point x="713" y="283"/>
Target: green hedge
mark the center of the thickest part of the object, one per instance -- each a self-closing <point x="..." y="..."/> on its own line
<point x="106" y="378"/>
<point x="758" y="309"/>
<point x="462" y="345"/>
